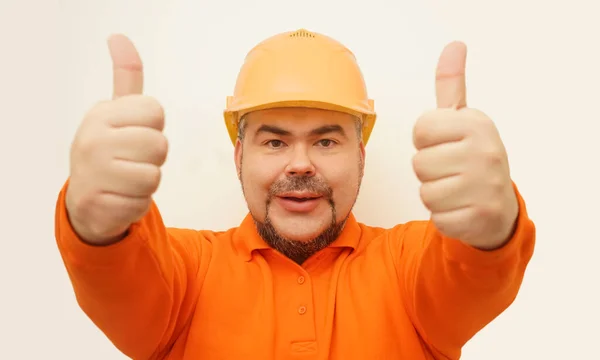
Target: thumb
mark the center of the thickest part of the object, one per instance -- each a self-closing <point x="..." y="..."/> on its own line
<point x="450" y="83"/>
<point x="128" y="75"/>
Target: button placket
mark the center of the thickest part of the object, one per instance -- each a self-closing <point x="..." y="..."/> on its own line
<point x="304" y="338"/>
<point x="302" y="307"/>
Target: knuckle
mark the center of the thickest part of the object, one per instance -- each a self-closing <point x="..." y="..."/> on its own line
<point x="146" y="106"/>
<point x="152" y="178"/>
<point x="152" y="103"/>
<point x="77" y="202"/>
<point x="157" y="147"/>
<point x="497" y="185"/>
<point x="156" y="112"/>
<point x="417" y="163"/>
<point x="144" y="206"/>
<point x="100" y="227"/>
<point x="138" y="208"/>
<point x="420" y="133"/>
<point x="83" y="146"/>
<point x="162" y="147"/>
<point x="87" y="149"/>
<point x="477" y="114"/>
<point x="441" y="224"/>
<point x="425" y="194"/>
<point x="493" y="157"/>
<point x="478" y="122"/>
<point x="424" y="129"/>
<point x="496" y="209"/>
<point x="484" y="214"/>
<point x="485" y="123"/>
<point x="489" y="211"/>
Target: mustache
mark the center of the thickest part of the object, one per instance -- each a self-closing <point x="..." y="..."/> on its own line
<point x="301" y="183"/>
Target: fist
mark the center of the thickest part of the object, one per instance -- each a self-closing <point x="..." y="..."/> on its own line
<point x="462" y="163"/>
<point x="116" y="155"/>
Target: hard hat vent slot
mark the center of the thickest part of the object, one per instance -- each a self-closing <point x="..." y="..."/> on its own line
<point x="302" y="34"/>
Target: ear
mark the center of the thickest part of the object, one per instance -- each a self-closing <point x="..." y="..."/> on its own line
<point x="238" y="157"/>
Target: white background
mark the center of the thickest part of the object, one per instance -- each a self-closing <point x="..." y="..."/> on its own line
<point x="533" y="66"/>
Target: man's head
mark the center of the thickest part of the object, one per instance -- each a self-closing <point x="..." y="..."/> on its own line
<point x="300" y="170"/>
<point x="300" y="118"/>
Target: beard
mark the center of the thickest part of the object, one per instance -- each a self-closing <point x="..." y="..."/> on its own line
<point x="299" y="251"/>
<point x="295" y="250"/>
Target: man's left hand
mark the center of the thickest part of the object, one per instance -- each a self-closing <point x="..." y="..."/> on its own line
<point x="462" y="163"/>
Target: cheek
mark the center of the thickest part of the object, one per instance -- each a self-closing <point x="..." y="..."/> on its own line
<point x="258" y="175"/>
<point x="344" y="180"/>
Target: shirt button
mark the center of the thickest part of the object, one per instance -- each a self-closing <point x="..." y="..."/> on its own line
<point x="301" y="280"/>
<point x="302" y="310"/>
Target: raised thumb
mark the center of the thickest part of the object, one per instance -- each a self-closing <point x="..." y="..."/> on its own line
<point x="450" y="82"/>
<point x="128" y="74"/>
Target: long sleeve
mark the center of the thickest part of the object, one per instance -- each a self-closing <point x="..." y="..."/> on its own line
<point x="452" y="290"/>
<point x="140" y="291"/>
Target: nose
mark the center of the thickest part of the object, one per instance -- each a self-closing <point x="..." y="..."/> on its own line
<point x="300" y="164"/>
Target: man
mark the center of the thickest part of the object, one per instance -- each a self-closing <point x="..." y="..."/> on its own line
<point x="300" y="278"/>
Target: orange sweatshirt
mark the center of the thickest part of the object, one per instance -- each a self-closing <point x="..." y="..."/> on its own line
<point x="406" y="292"/>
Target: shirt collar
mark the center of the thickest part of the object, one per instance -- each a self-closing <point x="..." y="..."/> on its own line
<point x="246" y="238"/>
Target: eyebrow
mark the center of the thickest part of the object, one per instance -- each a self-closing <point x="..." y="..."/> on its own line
<point x="323" y="130"/>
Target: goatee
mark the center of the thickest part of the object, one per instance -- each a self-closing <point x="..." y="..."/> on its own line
<point x="299" y="251"/>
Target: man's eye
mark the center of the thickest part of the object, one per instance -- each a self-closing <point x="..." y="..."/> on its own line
<point x="275" y="143"/>
<point x="326" y="142"/>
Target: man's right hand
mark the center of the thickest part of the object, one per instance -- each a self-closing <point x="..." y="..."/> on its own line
<point x="116" y="154"/>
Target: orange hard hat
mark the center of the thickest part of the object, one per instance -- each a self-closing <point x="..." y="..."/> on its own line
<point x="300" y="69"/>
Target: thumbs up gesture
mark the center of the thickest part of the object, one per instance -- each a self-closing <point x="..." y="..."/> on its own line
<point x="116" y="154"/>
<point x="462" y="164"/>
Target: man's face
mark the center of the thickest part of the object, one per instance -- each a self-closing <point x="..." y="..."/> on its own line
<point x="300" y="171"/>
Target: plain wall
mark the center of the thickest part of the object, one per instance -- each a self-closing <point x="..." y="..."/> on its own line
<point x="533" y="66"/>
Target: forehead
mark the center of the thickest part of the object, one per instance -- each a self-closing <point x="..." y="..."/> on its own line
<point x="298" y="119"/>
